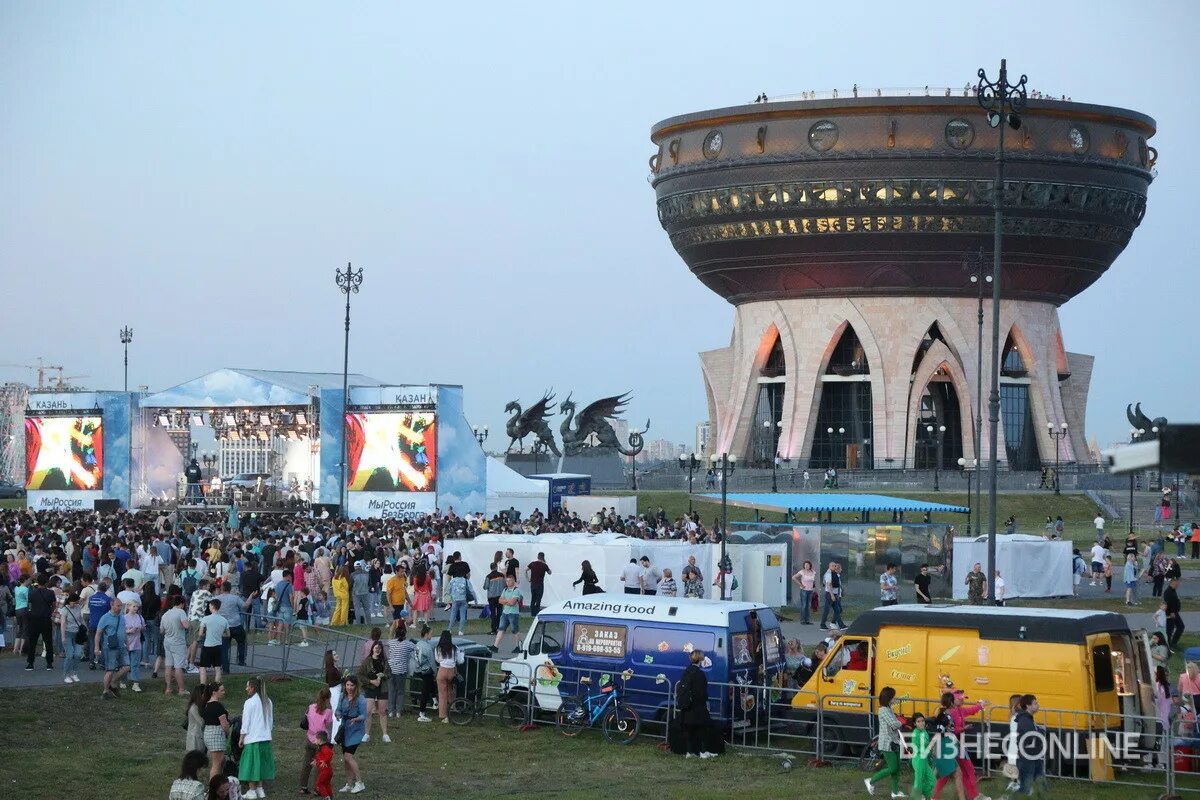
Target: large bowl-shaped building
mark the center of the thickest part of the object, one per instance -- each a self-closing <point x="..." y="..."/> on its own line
<point x="844" y="231"/>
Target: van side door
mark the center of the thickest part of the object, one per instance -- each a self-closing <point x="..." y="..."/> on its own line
<point x="544" y="651"/>
<point x="846" y="676"/>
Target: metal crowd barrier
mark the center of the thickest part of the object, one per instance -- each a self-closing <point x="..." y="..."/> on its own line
<point x="1125" y="750"/>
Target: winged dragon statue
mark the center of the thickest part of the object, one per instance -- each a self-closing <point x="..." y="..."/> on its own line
<point x="592" y="427"/>
<point x="531" y="420"/>
<point x="1141" y="422"/>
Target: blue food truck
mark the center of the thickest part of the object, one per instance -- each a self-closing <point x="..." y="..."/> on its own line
<point x="603" y="635"/>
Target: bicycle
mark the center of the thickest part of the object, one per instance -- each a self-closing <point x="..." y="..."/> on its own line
<point x="619" y="722"/>
<point x="465" y="710"/>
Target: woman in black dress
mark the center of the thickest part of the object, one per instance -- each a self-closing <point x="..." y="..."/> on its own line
<point x="587" y="576"/>
<point x="691" y="700"/>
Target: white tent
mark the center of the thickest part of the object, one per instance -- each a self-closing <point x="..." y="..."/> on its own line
<point x="609" y="553"/>
<point x="507" y="488"/>
<point x="585" y="504"/>
<point x="1030" y="565"/>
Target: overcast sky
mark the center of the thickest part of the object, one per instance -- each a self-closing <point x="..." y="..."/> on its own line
<point x="197" y="171"/>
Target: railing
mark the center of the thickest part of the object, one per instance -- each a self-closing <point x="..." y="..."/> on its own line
<point x="966" y="90"/>
<point x="1130" y="750"/>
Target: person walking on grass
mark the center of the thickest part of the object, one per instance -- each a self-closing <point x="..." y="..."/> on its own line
<point x="510" y="614"/>
<point x="399" y="654"/>
<point x="216" y="728"/>
<point x="318" y="720"/>
<point x="352" y="713"/>
<point x="422" y="670"/>
<point x="890" y="744"/>
<point x="924" y="778"/>
<point x="257" y="762"/>
<point x="173" y="624"/>
<point x="374" y="676"/>
<point x="110" y="649"/>
<point x="448" y="658"/>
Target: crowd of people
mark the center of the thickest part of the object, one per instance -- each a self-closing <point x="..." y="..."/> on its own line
<point x="131" y="593"/>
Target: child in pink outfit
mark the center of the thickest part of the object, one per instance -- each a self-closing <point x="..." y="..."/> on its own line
<point x="952" y="702"/>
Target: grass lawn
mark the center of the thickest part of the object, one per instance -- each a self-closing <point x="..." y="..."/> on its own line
<point x="13" y="502"/>
<point x="68" y="742"/>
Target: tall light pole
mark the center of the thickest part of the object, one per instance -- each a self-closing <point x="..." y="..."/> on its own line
<point x="348" y="280"/>
<point x="979" y="278"/>
<point x="1003" y="102"/>
<point x="691" y="463"/>
<point x="724" y="464"/>
<point x="1057" y="436"/>
<point x="126" y="338"/>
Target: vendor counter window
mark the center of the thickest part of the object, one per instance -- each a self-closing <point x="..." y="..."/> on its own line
<point x="1102" y="664"/>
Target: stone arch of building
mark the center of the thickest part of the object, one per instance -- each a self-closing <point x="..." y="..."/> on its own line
<point x="850" y="318"/>
<point x="939" y="356"/>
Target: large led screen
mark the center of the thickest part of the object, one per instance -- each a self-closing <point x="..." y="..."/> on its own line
<point x="391" y="451"/>
<point x="63" y="453"/>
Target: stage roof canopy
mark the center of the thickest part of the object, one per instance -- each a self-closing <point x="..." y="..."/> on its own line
<point x="250" y="388"/>
<point x="832" y="501"/>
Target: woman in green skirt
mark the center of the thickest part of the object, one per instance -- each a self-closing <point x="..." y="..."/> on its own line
<point x="257" y="763"/>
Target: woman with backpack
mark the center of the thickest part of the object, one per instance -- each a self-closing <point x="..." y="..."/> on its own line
<point x="691" y="701"/>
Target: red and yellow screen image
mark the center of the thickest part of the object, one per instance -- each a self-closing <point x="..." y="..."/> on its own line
<point x="391" y="451"/>
<point x="63" y="453"/>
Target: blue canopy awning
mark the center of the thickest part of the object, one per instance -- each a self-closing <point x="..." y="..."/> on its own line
<point x="832" y="501"/>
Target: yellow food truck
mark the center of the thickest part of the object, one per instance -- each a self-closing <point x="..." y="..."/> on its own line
<point x="1088" y="666"/>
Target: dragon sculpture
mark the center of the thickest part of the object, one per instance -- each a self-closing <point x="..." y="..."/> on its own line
<point x="594" y="419"/>
<point x="1141" y="422"/>
<point x="531" y="420"/>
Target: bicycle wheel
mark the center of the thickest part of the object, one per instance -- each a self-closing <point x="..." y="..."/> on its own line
<point x="462" y="711"/>
<point x="572" y="716"/>
<point x="621" y="724"/>
<point x="514" y="714"/>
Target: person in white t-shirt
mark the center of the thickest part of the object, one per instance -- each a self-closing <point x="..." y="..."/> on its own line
<point x="1098" y="554"/>
<point x="1001" y="588"/>
<point x="631" y="576"/>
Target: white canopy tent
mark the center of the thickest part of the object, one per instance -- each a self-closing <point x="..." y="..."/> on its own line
<point x="1030" y="565"/>
<point x="507" y="488"/>
<point x="585" y="504"/>
<point x="609" y="553"/>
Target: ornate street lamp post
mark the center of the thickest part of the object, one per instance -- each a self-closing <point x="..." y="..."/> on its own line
<point x="481" y="434"/>
<point x="1057" y="436"/>
<point x="773" y="429"/>
<point x="348" y="281"/>
<point x="691" y="463"/>
<point x="1003" y="102"/>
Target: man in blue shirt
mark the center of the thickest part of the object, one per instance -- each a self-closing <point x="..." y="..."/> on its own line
<point x="109" y="642"/>
<point x="98" y="605"/>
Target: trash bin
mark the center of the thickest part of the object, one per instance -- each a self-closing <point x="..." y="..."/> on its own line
<point x="473" y="671"/>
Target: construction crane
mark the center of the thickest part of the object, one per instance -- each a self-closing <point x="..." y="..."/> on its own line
<point x="55" y="383"/>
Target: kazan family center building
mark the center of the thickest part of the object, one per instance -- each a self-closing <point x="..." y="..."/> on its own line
<point x="843" y="230"/>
